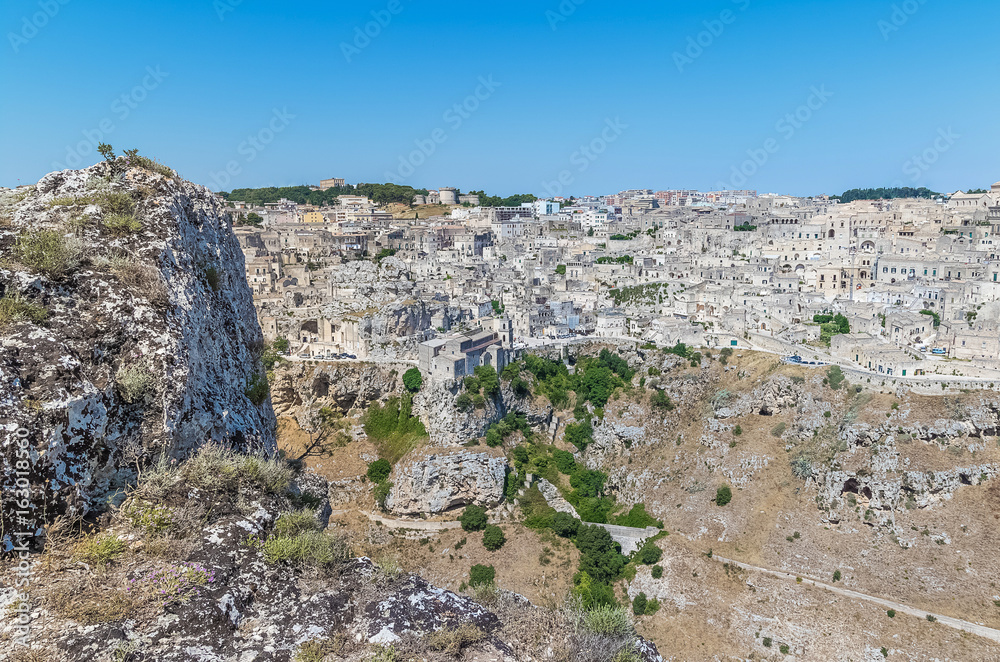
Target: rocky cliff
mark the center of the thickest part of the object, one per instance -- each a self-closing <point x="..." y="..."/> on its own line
<point x="128" y="331"/>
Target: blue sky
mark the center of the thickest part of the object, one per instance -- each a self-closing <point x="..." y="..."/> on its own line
<point x="578" y="96"/>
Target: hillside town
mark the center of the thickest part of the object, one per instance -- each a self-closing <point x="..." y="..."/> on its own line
<point x="902" y="288"/>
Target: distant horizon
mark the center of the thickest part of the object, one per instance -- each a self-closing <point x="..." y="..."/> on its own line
<point x="565" y="97"/>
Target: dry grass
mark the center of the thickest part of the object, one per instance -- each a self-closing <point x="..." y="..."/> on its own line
<point x="89" y="601"/>
<point x="452" y="641"/>
<point x="142" y="279"/>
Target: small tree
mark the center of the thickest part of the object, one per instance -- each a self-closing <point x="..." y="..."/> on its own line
<point x="836" y="575"/>
<point x="657" y="571"/>
<point x="493" y="537"/>
<point x="723" y="495"/>
<point x="639" y="604"/>
<point x="379" y="470"/>
<point x="482" y="574"/>
<point x="474" y="518"/>
<point x="565" y="525"/>
<point x="413" y="380"/>
<point x="464" y="402"/>
<point x="650" y="553"/>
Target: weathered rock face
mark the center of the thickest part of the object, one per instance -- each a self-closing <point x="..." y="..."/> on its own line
<point x="436" y="483"/>
<point x="149" y="344"/>
<point x="447" y="426"/>
<point x="299" y="387"/>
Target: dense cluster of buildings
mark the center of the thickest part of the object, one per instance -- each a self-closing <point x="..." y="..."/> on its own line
<point x="918" y="279"/>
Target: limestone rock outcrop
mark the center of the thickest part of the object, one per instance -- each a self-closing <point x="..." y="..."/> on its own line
<point x="133" y="335"/>
<point x="438" y="482"/>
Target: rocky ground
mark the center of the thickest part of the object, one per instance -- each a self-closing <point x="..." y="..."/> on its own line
<point x="895" y="491"/>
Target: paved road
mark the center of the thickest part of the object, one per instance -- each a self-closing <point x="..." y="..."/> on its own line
<point x="958" y="624"/>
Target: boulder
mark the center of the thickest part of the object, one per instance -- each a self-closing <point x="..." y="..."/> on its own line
<point x="438" y="482"/>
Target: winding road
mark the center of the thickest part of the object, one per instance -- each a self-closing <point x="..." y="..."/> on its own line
<point x="958" y="624"/>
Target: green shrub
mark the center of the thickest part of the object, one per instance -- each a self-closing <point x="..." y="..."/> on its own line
<point x="115" y="202"/>
<point x="661" y="400"/>
<point x="565" y="525"/>
<point x="931" y="619"/>
<point x="257" y="388"/>
<point x="837" y="575"/>
<point x="134" y="160"/>
<point x="835" y="377"/>
<point x="473" y="518"/>
<point x="482" y="574"/>
<point x="784" y="649"/>
<point x="413" y="380"/>
<point x="151" y="518"/>
<point x="489" y="381"/>
<point x="393" y="428"/>
<point x="657" y="571"/>
<point x="310" y="548"/>
<point x="650" y="553"/>
<point x="599" y="555"/>
<point x="767" y="642"/>
<point x="212" y="277"/>
<point x="580" y="434"/>
<point x="381" y="493"/>
<point x="891" y="613"/>
<point x="217" y="469"/>
<point x="121" y="225"/>
<point x="638" y="518"/>
<point x="565" y="461"/>
<point x="292" y="523"/>
<point x="464" y="402"/>
<point x="737" y="430"/>
<point x="133" y="381"/>
<point x="379" y="470"/>
<point x="48" y="252"/>
<point x="479" y="401"/>
<point x="493" y="537"/>
<point x="609" y="621"/>
<point x="314" y="650"/>
<point x="14" y="308"/>
<point x="639" y="604"/>
<point x="723" y="495"/>
<point x="100" y="549"/>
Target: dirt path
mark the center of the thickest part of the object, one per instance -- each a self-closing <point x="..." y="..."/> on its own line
<point x="418" y="525"/>
<point x="958" y="624"/>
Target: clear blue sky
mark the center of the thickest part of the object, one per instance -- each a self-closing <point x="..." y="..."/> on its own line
<point x="233" y="69"/>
